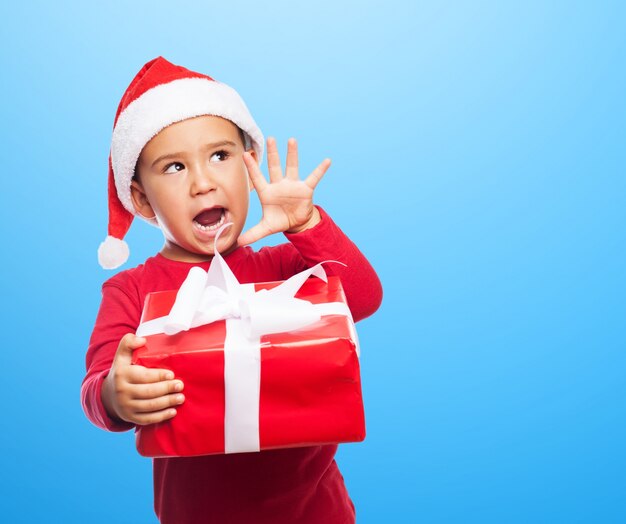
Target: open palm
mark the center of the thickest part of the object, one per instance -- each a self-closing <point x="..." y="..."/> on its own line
<point x="286" y="201"/>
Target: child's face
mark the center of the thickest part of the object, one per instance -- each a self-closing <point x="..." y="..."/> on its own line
<point x="192" y="177"/>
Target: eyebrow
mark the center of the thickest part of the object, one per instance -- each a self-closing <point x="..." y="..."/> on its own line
<point x="206" y="146"/>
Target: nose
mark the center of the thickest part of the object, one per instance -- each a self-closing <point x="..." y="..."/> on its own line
<point x="202" y="180"/>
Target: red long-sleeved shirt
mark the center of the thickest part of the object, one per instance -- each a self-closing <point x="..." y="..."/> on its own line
<point x="298" y="485"/>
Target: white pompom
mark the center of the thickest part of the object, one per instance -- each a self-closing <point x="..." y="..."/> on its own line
<point x="112" y="253"/>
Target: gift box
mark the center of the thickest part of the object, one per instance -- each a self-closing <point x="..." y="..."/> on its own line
<point x="247" y="389"/>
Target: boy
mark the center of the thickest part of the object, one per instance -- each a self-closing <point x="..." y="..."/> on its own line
<point x="184" y="153"/>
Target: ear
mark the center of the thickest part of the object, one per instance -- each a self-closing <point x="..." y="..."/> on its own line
<point x="253" y="155"/>
<point x="140" y="200"/>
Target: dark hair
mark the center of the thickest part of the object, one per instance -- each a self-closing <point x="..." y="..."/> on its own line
<point x="245" y="141"/>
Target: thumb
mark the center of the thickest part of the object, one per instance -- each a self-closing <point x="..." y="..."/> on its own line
<point x="253" y="234"/>
<point x="128" y="344"/>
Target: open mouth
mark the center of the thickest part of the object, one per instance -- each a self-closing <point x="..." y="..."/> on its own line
<point x="210" y="219"/>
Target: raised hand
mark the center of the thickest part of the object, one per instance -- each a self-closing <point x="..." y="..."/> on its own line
<point x="286" y="201"/>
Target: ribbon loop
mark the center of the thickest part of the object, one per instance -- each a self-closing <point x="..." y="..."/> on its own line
<point x="216" y="294"/>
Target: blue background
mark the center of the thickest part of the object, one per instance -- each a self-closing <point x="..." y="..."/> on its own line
<point x="478" y="160"/>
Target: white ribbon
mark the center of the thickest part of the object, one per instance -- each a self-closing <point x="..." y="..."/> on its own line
<point x="216" y="294"/>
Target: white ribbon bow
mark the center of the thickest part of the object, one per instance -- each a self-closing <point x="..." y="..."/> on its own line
<point x="216" y="294"/>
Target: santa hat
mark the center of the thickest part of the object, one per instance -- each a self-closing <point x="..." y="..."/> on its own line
<point x="160" y="95"/>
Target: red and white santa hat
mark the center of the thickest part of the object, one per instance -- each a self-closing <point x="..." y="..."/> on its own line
<point x="160" y="95"/>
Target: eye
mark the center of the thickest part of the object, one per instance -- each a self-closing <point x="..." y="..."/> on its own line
<point x="219" y="156"/>
<point x="174" y="167"/>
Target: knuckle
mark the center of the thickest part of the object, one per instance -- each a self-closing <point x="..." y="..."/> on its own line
<point x="153" y="404"/>
<point x="151" y="391"/>
<point x="133" y="372"/>
<point x="144" y="375"/>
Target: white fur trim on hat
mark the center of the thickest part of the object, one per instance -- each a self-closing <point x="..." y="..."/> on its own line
<point x="164" y="105"/>
<point x="112" y="253"/>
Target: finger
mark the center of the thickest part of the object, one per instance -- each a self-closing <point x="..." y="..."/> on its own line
<point x="253" y="234"/>
<point x="158" y="404"/>
<point x="128" y="344"/>
<point x="154" y="418"/>
<point x="273" y="161"/>
<point x="291" y="170"/>
<point x="142" y="375"/>
<point x="257" y="178"/>
<point x="314" y="178"/>
<point x="155" y="390"/>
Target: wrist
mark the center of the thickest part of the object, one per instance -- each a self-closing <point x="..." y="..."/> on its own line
<point x="313" y="220"/>
<point x="106" y="397"/>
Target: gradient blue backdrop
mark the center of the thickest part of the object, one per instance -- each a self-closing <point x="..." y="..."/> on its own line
<point x="478" y="160"/>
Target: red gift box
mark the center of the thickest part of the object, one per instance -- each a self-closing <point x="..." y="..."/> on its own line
<point x="310" y="390"/>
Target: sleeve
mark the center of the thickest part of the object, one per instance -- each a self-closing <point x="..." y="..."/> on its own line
<point x="118" y="315"/>
<point x="326" y="241"/>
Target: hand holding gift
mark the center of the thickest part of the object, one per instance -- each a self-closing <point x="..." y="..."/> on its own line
<point x="138" y="394"/>
<point x="287" y="201"/>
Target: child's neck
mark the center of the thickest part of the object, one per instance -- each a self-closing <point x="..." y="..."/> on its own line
<point x="176" y="253"/>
